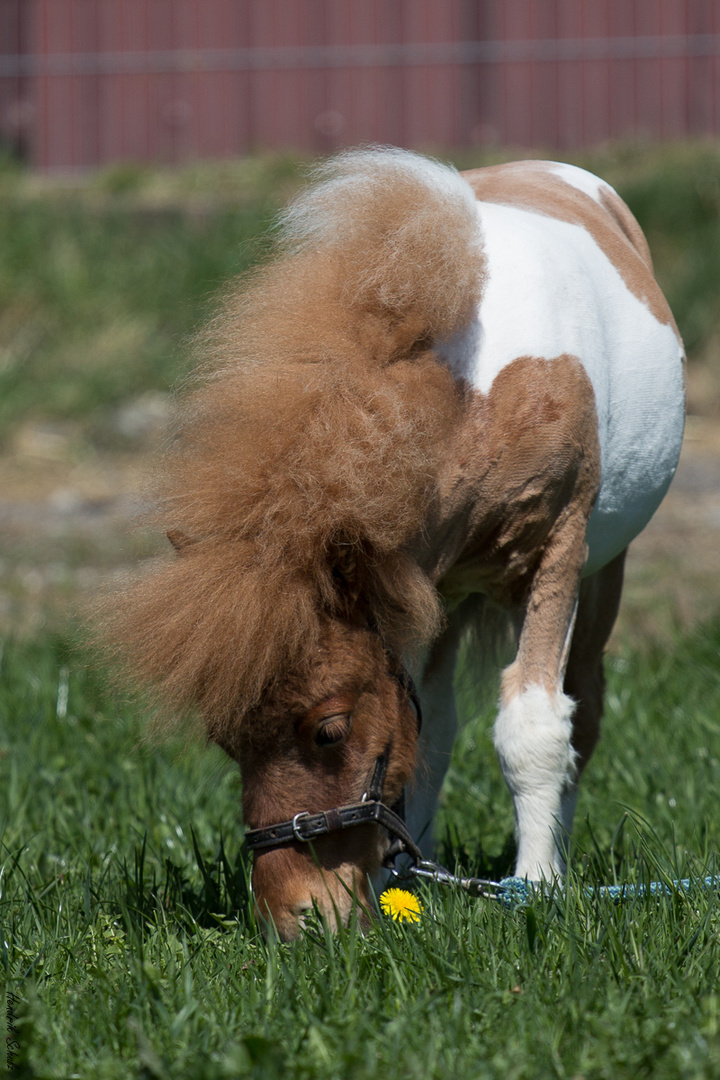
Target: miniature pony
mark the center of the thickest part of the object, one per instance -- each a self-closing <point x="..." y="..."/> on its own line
<point x="443" y="392"/>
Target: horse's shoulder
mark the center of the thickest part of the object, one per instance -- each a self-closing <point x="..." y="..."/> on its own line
<point x="525" y="455"/>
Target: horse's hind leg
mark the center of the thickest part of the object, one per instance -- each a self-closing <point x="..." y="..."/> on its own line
<point x="598" y="604"/>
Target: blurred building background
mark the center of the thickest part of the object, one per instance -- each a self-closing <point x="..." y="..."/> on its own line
<point x="88" y="82"/>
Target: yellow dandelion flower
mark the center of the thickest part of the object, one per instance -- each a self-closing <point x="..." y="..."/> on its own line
<point x="401" y="905"/>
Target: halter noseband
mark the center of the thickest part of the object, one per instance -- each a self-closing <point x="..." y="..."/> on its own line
<point x="304" y="827"/>
<point x="371" y="810"/>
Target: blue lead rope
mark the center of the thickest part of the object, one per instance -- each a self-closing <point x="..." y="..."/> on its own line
<point x="517" y="892"/>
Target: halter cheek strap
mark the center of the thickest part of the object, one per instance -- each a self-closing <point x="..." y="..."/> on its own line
<point x="304" y="827"/>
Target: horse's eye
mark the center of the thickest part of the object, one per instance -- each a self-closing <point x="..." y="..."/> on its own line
<point x="332" y="730"/>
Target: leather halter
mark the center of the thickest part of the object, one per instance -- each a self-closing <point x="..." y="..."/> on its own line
<point x="305" y="827"/>
<point x="371" y="810"/>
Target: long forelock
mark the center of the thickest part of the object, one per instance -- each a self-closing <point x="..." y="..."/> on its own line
<point x="318" y="422"/>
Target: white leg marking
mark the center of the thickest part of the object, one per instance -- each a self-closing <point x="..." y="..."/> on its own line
<point x="532" y="738"/>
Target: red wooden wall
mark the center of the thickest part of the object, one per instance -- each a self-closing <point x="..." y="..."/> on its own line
<point x="86" y="82"/>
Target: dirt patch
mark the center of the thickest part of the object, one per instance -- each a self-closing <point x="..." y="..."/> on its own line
<point x="70" y="522"/>
<point x="673" y="571"/>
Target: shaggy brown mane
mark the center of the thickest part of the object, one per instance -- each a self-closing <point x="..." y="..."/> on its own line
<point x="309" y="444"/>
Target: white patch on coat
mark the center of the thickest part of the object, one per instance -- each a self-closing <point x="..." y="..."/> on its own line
<point x="550" y="291"/>
<point x="580" y="179"/>
<point x="461" y="351"/>
<point x="532" y="738"/>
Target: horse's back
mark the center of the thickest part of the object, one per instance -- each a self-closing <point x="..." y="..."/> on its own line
<point x="569" y="274"/>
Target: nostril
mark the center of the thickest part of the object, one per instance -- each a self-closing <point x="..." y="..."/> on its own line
<point x="302" y="909"/>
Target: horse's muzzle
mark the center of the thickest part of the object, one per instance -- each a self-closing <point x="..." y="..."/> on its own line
<point x="289" y="889"/>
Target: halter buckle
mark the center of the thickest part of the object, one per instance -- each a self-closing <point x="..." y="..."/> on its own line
<point x="296" y="833"/>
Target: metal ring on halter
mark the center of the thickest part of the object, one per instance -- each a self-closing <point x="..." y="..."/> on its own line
<point x="296" y="834"/>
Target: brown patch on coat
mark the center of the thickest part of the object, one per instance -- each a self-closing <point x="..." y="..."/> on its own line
<point x="308" y="448"/>
<point x="534" y="186"/>
<point x="524" y="458"/>
<point x="512" y="512"/>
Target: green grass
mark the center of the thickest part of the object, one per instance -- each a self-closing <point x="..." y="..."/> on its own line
<point x="125" y="930"/>
<point x="126" y="936"/>
<point x="96" y="303"/>
<point x="103" y="279"/>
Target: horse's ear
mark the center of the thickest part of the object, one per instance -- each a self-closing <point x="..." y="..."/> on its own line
<point x="348" y="576"/>
<point x="179" y="540"/>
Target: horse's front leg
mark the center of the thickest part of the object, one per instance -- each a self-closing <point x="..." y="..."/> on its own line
<point x="435" y="678"/>
<point x="534" y="726"/>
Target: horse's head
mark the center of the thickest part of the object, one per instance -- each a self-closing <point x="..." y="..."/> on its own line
<point x="313" y="746"/>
